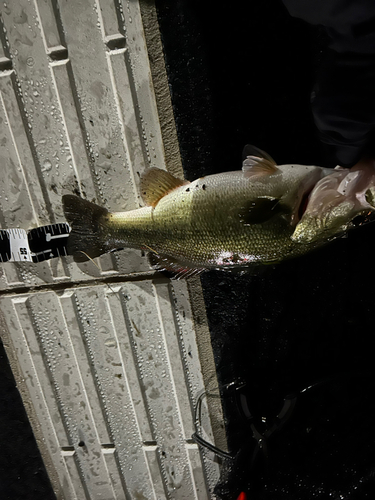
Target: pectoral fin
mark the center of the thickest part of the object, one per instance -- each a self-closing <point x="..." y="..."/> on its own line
<point x="156" y="183"/>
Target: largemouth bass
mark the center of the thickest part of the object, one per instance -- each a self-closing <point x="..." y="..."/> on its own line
<point x="263" y="214"/>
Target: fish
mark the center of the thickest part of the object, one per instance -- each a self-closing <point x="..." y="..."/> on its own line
<point x="260" y="215"/>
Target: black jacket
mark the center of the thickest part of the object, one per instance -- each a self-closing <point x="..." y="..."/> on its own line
<point x="343" y="99"/>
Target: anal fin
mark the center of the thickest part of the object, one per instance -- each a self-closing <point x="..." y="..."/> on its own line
<point x="172" y="269"/>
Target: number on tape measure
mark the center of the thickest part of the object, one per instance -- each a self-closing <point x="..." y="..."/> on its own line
<point x="19" y="246"/>
<point x="36" y="245"/>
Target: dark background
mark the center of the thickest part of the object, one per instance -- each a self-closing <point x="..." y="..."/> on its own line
<point x="241" y="73"/>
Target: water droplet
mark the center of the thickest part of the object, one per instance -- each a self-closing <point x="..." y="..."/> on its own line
<point x="47" y="165"/>
<point x="110" y="342"/>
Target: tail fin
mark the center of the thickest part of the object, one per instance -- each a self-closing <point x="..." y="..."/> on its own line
<point x="86" y="238"/>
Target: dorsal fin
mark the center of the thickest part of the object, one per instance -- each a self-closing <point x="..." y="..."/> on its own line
<point x="257" y="162"/>
<point x="156" y="183"/>
<point x="250" y="150"/>
<point x="253" y="165"/>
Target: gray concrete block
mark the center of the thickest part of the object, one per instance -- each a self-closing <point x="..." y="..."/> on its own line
<point x="109" y="373"/>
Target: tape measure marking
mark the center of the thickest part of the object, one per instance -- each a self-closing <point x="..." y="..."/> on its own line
<point x="36" y="245"/>
<point x="47" y="242"/>
<point x="19" y="246"/>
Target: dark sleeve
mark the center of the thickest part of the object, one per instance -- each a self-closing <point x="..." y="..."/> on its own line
<point x="343" y="99"/>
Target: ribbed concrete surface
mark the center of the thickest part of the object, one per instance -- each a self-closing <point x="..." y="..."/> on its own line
<point x="104" y="370"/>
<point x="109" y="371"/>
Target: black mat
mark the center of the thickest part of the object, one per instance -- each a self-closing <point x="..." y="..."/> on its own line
<point x="296" y="342"/>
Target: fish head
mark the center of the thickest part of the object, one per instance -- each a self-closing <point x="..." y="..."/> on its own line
<point x="337" y="203"/>
<point x="283" y="189"/>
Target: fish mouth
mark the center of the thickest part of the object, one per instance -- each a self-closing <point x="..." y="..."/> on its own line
<point x="338" y="202"/>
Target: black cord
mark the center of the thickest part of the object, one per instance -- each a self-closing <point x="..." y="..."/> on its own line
<point x="199" y="439"/>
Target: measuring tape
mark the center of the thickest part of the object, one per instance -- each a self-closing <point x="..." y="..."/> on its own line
<point x="36" y="245"/>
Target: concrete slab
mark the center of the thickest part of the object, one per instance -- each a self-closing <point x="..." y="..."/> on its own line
<point x="109" y="371"/>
